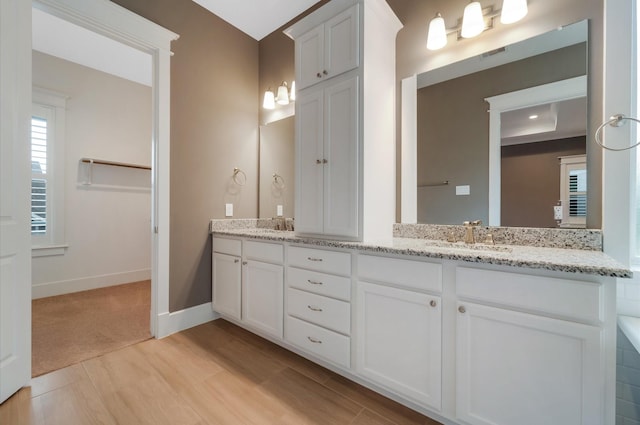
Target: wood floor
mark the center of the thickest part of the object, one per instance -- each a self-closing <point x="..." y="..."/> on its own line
<point x="215" y="373"/>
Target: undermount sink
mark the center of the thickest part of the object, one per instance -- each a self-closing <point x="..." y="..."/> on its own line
<point x="465" y="246"/>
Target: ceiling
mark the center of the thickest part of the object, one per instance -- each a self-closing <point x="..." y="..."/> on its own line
<point x="258" y="18"/>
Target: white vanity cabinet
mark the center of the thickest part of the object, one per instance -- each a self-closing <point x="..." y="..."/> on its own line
<point x="318" y="303"/>
<point x="328" y="50"/>
<point x="529" y="350"/>
<point x="227" y="274"/>
<point x="262" y="287"/>
<point x="345" y="125"/>
<point x="248" y="283"/>
<point x="399" y="327"/>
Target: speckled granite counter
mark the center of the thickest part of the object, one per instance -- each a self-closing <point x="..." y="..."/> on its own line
<point x="555" y="259"/>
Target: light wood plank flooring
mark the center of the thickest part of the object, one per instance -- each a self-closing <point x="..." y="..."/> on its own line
<point x="216" y="373"/>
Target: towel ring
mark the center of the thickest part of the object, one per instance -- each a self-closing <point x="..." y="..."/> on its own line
<point x="278" y="181"/>
<point x="615" y="121"/>
<point x="239" y="177"/>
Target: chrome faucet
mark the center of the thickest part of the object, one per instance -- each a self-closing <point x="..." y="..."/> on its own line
<point x="469" y="226"/>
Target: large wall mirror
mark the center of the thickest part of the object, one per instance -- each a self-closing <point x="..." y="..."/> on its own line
<point x="276" y="168"/>
<point x="539" y="89"/>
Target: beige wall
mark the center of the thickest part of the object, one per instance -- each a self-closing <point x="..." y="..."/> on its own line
<point x="453" y="131"/>
<point x="214" y="127"/>
<point x="530" y="184"/>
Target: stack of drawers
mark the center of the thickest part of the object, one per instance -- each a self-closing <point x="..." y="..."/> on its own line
<point x="318" y="303"/>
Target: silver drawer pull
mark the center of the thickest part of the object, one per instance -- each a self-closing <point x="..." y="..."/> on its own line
<point x="314" y="259"/>
<point x="313" y="282"/>
<point x="315" y="341"/>
<point x="314" y="308"/>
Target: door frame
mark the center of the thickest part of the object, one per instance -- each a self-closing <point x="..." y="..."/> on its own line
<point x="113" y="21"/>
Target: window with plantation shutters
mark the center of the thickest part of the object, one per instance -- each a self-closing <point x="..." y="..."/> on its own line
<point x="38" y="175"/>
<point x="47" y="172"/>
<point x="573" y="190"/>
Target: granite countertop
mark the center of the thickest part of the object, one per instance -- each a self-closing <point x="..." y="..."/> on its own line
<point x="555" y="259"/>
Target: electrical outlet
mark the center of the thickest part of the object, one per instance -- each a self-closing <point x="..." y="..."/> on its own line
<point x="463" y="190"/>
<point x="228" y="210"/>
<point x="279" y="211"/>
<point x="557" y="212"/>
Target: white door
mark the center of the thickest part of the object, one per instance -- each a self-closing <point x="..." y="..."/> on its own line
<point x="262" y="297"/>
<point x="341" y="46"/>
<point x="15" y="237"/>
<point x="227" y="290"/>
<point x="517" y="368"/>
<point x="341" y="154"/>
<point x="310" y="57"/>
<point x="399" y="341"/>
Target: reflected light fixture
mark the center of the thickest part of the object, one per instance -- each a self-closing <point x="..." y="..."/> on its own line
<point x="513" y="11"/>
<point x="283" y="94"/>
<point x="269" y="101"/>
<point x="437" y="35"/>
<point x="472" y="20"/>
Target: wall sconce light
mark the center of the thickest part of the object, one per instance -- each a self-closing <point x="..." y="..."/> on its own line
<point x="282" y="96"/>
<point x="269" y="101"/>
<point x="473" y="21"/>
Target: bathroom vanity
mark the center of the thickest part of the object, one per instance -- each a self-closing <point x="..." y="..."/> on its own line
<point x="466" y="334"/>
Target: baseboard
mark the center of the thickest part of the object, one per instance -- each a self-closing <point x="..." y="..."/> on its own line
<point x="170" y="323"/>
<point x="50" y="289"/>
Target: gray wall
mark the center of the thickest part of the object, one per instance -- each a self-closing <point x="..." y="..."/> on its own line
<point x="214" y="127"/>
<point x="453" y="131"/>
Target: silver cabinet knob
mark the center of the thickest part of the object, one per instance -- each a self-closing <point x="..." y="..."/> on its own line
<point x="324" y="161"/>
<point x="319" y="75"/>
<point x="244" y="263"/>
<point x="461" y="309"/>
<point x="324" y="71"/>
<point x="433" y="303"/>
<point x="318" y="161"/>
<point x="236" y="261"/>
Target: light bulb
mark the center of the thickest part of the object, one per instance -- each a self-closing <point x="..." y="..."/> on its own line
<point x="269" y="100"/>
<point x="437" y="35"/>
<point x="472" y="20"/>
<point x="283" y="94"/>
<point x="513" y="11"/>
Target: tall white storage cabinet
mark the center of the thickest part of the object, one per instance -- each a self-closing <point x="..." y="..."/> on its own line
<point x="345" y="121"/>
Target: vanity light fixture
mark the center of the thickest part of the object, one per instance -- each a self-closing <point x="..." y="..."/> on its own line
<point x="474" y="21"/>
<point x="437" y="35"/>
<point x="283" y="94"/>
<point x="269" y="101"/>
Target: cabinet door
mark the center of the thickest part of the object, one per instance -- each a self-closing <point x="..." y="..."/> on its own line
<point x="310" y="57"/>
<point x="226" y="284"/>
<point x="341" y="46"/>
<point x="262" y="297"/>
<point x="341" y="198"/>
<point x="518" y="368"/>
<point x="309" y="151"/>
<point x="399" y="341"/>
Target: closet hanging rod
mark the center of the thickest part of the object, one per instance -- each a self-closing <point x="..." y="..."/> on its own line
<point x="444" y="183"/>
<point x="114" y="163"/>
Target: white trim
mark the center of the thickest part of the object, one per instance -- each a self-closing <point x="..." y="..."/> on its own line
<point x="408" y="152"/>
<point x="48" y="250"/>
<point x="118" y="23"/>
<point x="170" y="323"/>
<point x="571" y="88"/>
<point x="51" y="289"/>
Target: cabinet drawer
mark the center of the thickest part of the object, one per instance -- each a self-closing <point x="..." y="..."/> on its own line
<point x="569" y="298"/>
<point x="411" y="274"/>
<point x="320" y="283"/>
<point x="319" y="341"/>
<point x="323" y="311"/>
<point x="227" y="246"/>
<point x="261" y="251"/>
<point x="321" y="260"/>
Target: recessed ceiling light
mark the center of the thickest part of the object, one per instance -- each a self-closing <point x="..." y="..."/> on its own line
<point x="533" y="117"/>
